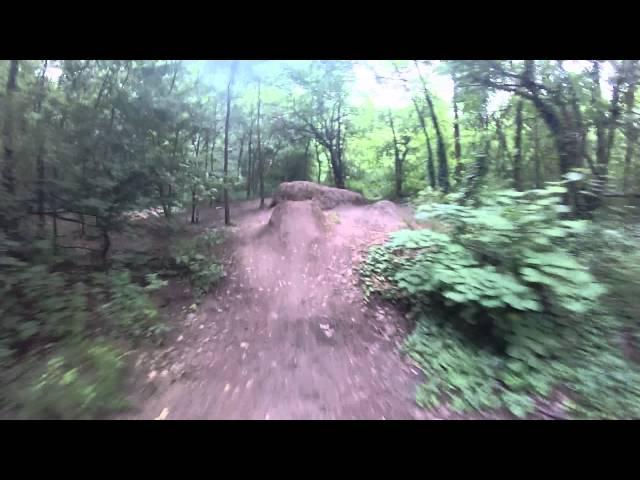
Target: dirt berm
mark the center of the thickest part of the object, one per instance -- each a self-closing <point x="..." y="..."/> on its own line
<point x="325" y="197"/>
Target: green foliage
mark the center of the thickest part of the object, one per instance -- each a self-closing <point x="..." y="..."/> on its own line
<point x="195" y="259"/>
<point x="127" y="306"/>
<point x="45" y="308"/>
<point x="38" y="303"/>
<point x="506" y="313"/>
<point x="79" y="381"/>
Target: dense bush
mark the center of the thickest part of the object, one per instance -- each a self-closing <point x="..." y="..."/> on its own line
<point x="195" y="259"/>
<point x="508" y="311"/>
<point x="80" y="381"/>
<point x="46" y="317"/>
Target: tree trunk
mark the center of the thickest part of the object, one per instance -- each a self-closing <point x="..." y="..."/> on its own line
<point x="240" y="155"/>
<point x="503" y="149"/>
<point x="443" y="168"/>
<point x="8" y="169"/>
<point x="596" y="100"/>
<point x="431" y="172"/>
<point x="227" y="218"/>
<point x="305" y="167"/>
<point x="456" y="136"/>
<point x="614" y="114"/>
<point x="54" y="209"/>
<point x="396" y="158"/>
<point x="517" y="159"/>
<point x="40" y="171"/>
<point x="338" y="175"/>
<point x="631" y="132"/>
<point x="163" y="202"/>
<point x="214" y="137"/>
<point x="250" y="158"/>
<point x="536" y="154"/>
<point x="106" y="245"/>
<point x="193" y="205"/>
<point x="318" y="161"/>
<point x="260" y="159"/>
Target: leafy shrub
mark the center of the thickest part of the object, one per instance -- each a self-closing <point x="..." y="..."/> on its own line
<point x="38" y="303"/>
<point x="43" y="307"/>
<point x="506" y="312"/>
<point x="195" y="259"/>
<point x="126" y="306"/>
<point x="80" y="381"/>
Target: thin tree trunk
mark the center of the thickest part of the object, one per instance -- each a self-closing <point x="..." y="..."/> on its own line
<point x="596" y="99"/>
<point x="8" y="169"/>
<point x="503" y="148"/>
<point x="227" y="218"/>
<point x="614" y="110"/>
<point x="214" y="137"/>
<point x="40" y="195"/>
<point x="396" y="158"/>
<point x="173" y="78"/>
<point x="517" y="160"/>
<point x="443" y="168"/>
<point x="250" y="158"/>
<point x="318" y="160"/>
<point x="305" y="167"/>
<point x="456" y="136"/>
<point x="106" y="245"/>
<point x="54" y="209"/>
<point x="193" y="205"/>
<point x="240" y="155"/>
<point x="536" y="154"/>
<point x="339" y="174"/>
<point x="260" y="159"/>
<point x="631" y="131"/>
<point x="431" y="172"/>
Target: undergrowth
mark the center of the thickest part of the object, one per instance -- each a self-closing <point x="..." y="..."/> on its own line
<point x="515" y="305"/>
<point x="49" y="311"/>
<point x="194" y="258"/>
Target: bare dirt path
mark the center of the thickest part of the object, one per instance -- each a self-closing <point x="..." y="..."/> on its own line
<point x="287" y="335"/>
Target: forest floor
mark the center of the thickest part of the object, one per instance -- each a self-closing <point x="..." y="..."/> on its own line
<point x="287" y="334"/>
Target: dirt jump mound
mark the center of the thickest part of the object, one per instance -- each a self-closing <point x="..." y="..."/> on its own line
<point x="325" y="197"/>
<point x="298" y="225"/>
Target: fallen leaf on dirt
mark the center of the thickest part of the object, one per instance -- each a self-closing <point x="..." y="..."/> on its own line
<point x="152" y="375"/>
<point x="244" y="345"/>
<point x="163" y="414"/>
<point x="180" y="338"/>
<point x="227" y="387"/>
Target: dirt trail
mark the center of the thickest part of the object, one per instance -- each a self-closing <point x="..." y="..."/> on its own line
<point x="288" y="335"/>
